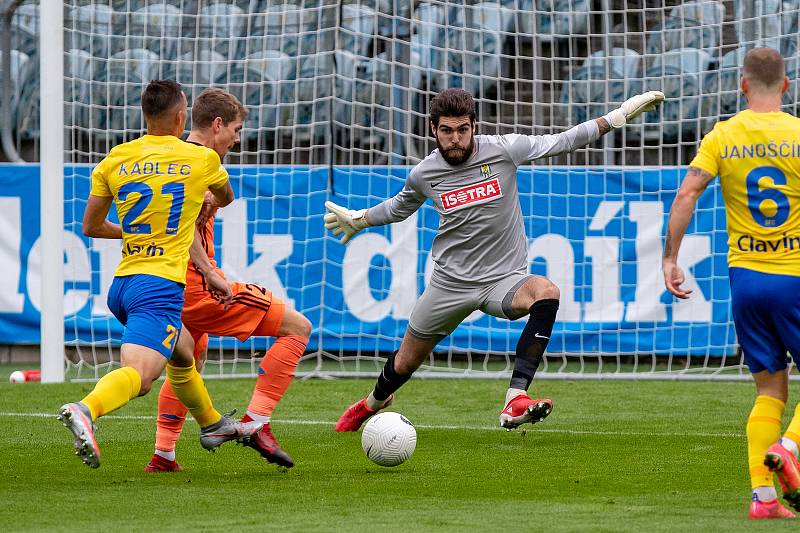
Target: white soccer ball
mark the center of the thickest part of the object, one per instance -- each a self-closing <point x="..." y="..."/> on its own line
<point x="17" y="377"/>
<point x="389" y="439"/>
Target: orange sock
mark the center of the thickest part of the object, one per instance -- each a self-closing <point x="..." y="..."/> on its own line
<point x="275" y="373"/>
<point x="171" y="416"/>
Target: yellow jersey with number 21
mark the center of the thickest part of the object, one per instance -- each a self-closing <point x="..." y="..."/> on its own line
<point x="158" y="183"/>
<point x="757" y="157"/>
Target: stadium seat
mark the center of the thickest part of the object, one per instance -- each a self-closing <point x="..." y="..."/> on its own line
<point x="78" y="78"/>
<point x="127" y="74"/>
<point x="428" y="58"/>
<point x="491" y="16"/>
<point x="196" y="73"/>
<point x="285" y="28"/>
<point x="27" y="103"/>
<point x="392" y="16"/>
<point x="560" y="19"/>
<point x="315" y="74"/>
<point x="721" y="95"/>
<point x="477" y="67"/>
<point x="679" y="74"/>
<point x="772" y="23"/>
<point x="92" y="29"/>
<point x="222" y="28"/>
<point x="523" y="15"/>
<point x="158" y="28"/>
<point x="25" y="28"/>
<point x="357" y="31"/>
<point x="689" y="25"/>
<point x="598" y="82"/>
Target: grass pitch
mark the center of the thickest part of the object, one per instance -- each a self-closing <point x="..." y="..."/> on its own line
<point x="613" y="456"/>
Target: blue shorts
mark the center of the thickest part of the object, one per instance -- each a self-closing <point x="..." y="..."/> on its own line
<point x="150" y="309"/>
<point x="766" y="312"/>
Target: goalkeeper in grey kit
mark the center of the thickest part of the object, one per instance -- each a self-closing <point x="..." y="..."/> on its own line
<point x="480" y="251"/>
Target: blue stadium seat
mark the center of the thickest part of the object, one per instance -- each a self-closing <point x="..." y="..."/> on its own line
<point x="27" y="103"/>
<point x="158" y="28"/>
<point x="560" y="19"/>
<point x="196" y="73"/>
<point x="599" y="82"/>
<point x="392" y="16"/>
<point x="477" y="66"/>
<point x="25" y="28"/>
<point x="222" y="27"/>
<point x="492" y="16"/>
<point x="772" y="23"/>
<point x="79" y="75"/>
<point x="696" y="24"/>
<point x="127" y="73"/>
<point x="523" y="15"/>
<point x="428" y="58"/>
<point x="358" y="29"/>
<point x="93" y="30"/>
<point x="679" y="74"/>
<point x="315" y="75"/>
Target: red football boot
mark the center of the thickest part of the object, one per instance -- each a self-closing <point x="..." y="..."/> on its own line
<point x="264" y="443"/>
<point x="159" y="464"/>
<point x="768" y="509"/>
<point x="356" y="414"/>
<point x="522" y="409"/>
<point x="784" y="465"/>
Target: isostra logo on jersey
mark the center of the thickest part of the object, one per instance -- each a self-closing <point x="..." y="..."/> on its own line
<point x="474" y="194"/>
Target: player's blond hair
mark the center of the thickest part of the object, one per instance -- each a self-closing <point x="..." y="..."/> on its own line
<point x="213" y="103"/>
<point x="764" y="67"/>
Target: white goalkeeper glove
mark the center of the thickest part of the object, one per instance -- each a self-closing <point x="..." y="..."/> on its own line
<point x="633" y="107"/>
<point x="339" y="219"/>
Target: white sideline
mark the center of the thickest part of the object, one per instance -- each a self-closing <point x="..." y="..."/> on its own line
<point x="537" y="429"/>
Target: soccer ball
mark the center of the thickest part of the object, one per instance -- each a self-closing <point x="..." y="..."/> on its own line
<point x="389" y="439"/>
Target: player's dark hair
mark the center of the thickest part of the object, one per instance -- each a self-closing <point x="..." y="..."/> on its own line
<point x="213" y="103"/>
<point x="452" y="103"/>
<point x="159" y="97"/>
<point x="764" y="66"/>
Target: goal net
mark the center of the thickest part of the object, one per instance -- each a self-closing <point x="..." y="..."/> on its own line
<point x="338" y="94"/>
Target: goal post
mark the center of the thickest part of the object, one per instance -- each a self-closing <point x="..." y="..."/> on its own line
<point x="51" y="195"/>
<point x="338" y="95"/>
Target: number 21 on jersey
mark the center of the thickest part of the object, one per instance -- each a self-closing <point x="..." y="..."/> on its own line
<point x="145" y="192"/>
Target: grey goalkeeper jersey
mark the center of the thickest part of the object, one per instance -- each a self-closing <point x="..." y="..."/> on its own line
<point x="481" y="236"/>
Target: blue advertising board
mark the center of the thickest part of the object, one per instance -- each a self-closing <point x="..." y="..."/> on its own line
<point x="596" y="232"/>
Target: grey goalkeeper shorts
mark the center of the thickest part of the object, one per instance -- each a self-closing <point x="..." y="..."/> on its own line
<point x="440" y="310"/>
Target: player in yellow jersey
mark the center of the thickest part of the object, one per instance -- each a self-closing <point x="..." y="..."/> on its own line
<point x="245" y="311"/>
<point x="158" y="183"/>
<point x="756" y="155"/>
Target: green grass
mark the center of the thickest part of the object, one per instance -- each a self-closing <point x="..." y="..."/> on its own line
<point x="613" y="456"/>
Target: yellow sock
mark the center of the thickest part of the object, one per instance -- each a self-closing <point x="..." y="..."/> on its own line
<point x="763" y="430"/>
<point x="188" y="386"/>
<point x="793" y="431"/>
<point x="114" y="390"/>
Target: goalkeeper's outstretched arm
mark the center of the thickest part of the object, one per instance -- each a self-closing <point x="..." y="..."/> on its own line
<point x="588" y="132"/>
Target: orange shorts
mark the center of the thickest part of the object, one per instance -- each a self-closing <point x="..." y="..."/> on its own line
<point x="253" y="308"/>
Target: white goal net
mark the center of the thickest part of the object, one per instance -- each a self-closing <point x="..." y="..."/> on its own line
<point x="338" y="94"/>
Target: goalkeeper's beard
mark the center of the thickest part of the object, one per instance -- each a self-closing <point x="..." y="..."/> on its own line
<point x="456" y="156"/>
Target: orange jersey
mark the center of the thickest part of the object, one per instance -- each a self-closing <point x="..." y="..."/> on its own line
<point x="193" y="277"/>
<point x="252" y="305"/>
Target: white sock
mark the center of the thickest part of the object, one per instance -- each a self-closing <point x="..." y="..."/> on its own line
<point x="374" y="404"/>
<point x="765" y="494"/>
<point x="168" y="455"/>
<point x="258" y="418"/>
<point x="513" y="393"/>
<point x="789" y="444"/>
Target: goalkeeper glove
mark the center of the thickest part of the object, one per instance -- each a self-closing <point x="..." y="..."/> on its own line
<point x="342" y="220"/>
<point x="633" y="107"/>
